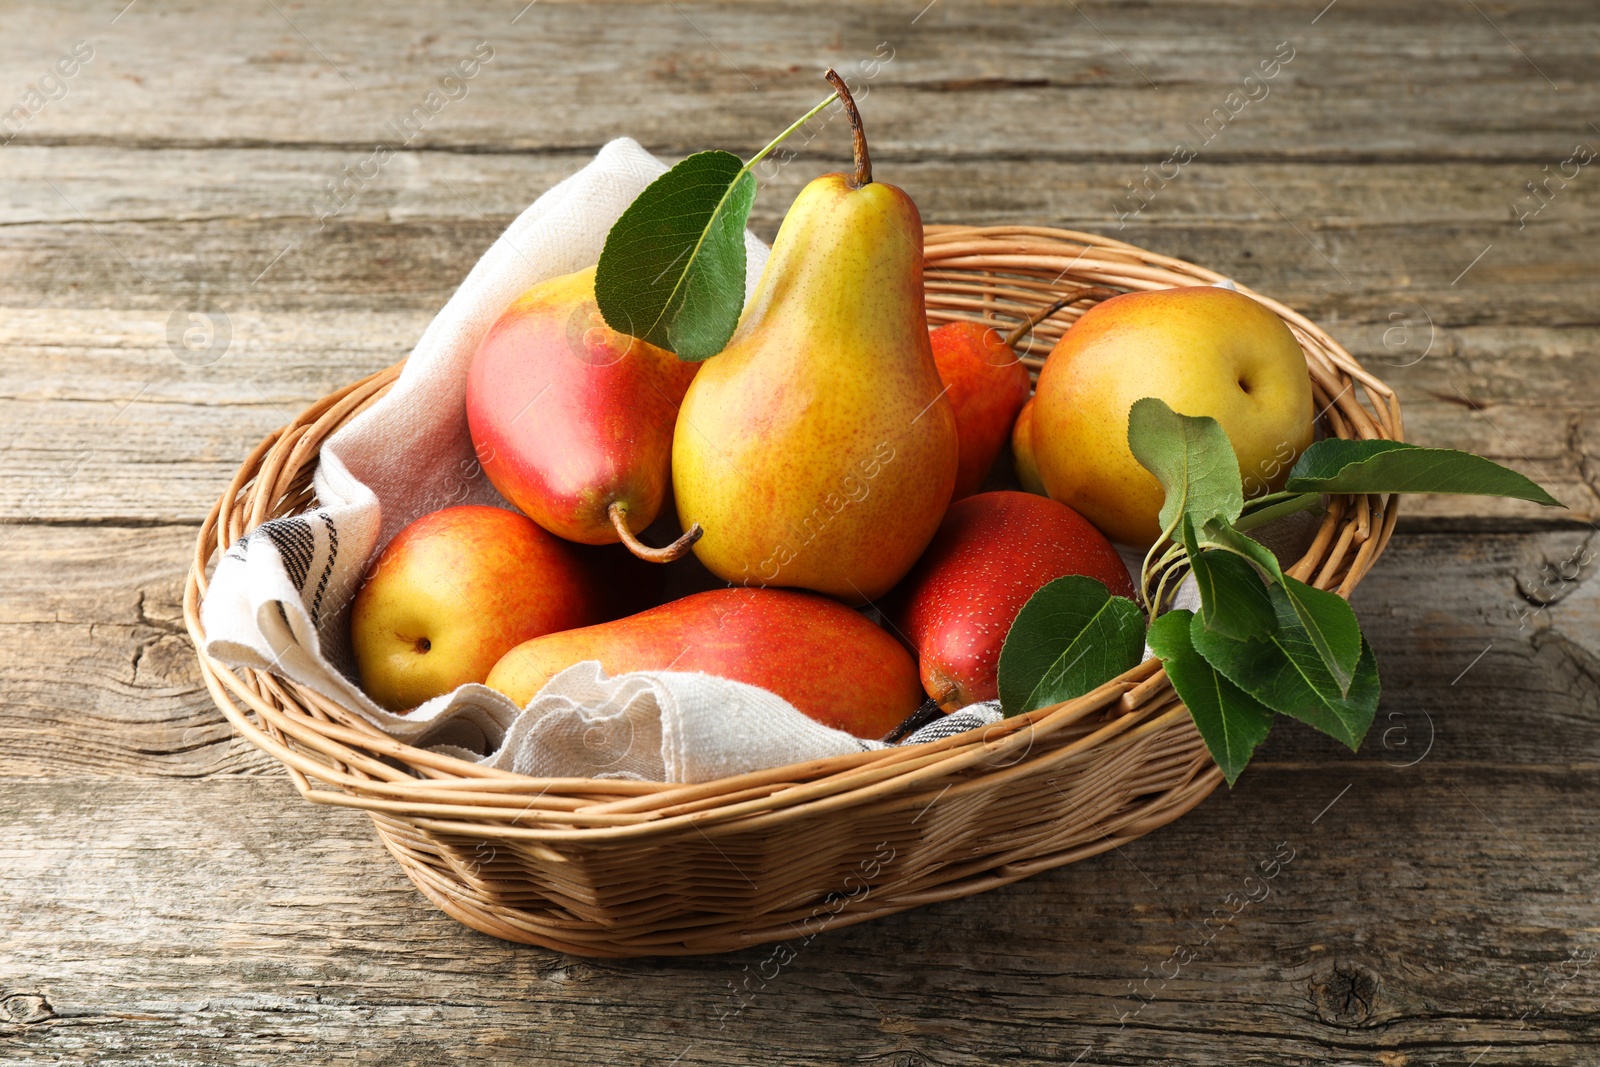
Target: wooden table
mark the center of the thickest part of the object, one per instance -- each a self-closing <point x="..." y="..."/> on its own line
<point x="166" y="898"/>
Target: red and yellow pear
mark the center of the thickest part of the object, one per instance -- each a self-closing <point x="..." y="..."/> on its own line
<point x="987" y="385"/>
<point x="1203" y="350"/>
<point x="830" y="662"/>
<point x="454" y="591"/>
<point x="573" y="421"/>
<point x="992" y="552"/>
<point x="1022" y="451"/>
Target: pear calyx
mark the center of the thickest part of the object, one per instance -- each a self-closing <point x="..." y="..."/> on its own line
<point x="863" y="174"/>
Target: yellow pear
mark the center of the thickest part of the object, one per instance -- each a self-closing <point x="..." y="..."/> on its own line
<point x="817" y="449"/>
<point x="1022" y="451"/>
<point x="1203" y="350"/>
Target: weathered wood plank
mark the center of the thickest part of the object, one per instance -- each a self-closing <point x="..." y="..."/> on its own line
<point x="100" y="676"/>
<point x="1429" y="915"/>
<point x="1353" y="242"/>
<point x="287" y="183"/>
<point x="968" y="81"/>
<point x="91" y="386"/>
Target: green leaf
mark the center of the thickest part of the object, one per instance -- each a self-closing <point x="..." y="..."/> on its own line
<point x="1286" y="672"/>
<point x="1222" y="535"/>
<point x="673" y="268"/>
<point x="1231" y="722"/>
<point x="1193" y="460"/>
<point x="1326" y="618"/>
<point x="1069" y="637"/>
<point x="1233" y="598"/>
<point x="1261" y="510"/>
<point x="1334" y="465"/>
<point x="1329" y="623"/>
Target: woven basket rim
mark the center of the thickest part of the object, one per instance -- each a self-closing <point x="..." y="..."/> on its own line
<point x="318" y="739"/>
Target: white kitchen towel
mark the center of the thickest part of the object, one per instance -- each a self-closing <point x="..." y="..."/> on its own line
<point x="665" y="726"/>
<point x="280" y="597"/>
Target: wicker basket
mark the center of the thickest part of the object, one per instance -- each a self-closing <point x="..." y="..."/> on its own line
<point x="616" y="868"/>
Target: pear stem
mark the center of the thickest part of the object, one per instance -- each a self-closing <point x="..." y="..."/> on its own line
<point x="863" y="161"/>
<point x="1044" y="313"/>
<point x="618" y="513"/>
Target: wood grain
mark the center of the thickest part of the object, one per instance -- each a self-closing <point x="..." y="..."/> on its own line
<point x="1104" y="79"/>
<point x="165" y="897"/>
<point x="1428" y="914"/>
<point x="101" y="677"/>
<point x="94" y="393"/>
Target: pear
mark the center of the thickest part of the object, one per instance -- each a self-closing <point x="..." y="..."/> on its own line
<point x="987" y="385"/>
<point x="818" y="449"/>
<point x="993" y="551"/>
<point x="1022" y="451"/>
<point x="457" y="589"/>
<point x="1203" y="350"/>
<point x="572" y="421"/>
<point x="832" y="663"/>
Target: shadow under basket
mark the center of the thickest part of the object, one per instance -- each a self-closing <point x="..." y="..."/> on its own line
<point x="616" y="868"/>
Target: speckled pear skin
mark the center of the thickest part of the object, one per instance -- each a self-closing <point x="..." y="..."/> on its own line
<point x="817" y="450"/>
<point x="1022" y="451"/>
<point x="992" y="552"/>
<point x="1201" y="349"/>
<point x="568" y="416"/>
<point x="834" y="664"/>
<point x="987" y="386"/>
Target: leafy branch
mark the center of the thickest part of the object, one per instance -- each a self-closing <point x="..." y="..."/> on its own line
<point x="1263" y="643"/>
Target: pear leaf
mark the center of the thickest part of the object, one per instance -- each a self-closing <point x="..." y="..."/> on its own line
<point x="1193" y="460"/>
<point x="1231" y="722"/>
<point x="673" y="268"/>
<point x="1335" y="465"/>
<point x="1324" y="619"/>
<point x="1233" y="598"/>
<point x="1327" y="622"/>
<point x="1224" y="536"/>
<point x="1071" y="636"/>
<point x="1259" y="511"/>
<point x="1286" y="672"/>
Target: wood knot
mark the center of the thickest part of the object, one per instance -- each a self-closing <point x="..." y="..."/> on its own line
<point x="1346" y="995"/>
<point x="25" y="1008"/>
